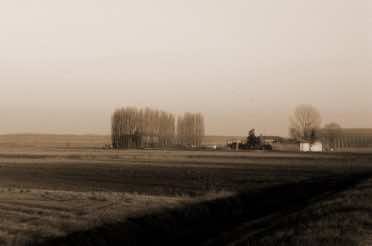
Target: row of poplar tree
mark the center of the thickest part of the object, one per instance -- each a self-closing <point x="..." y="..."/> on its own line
<point x="140" y="128"/>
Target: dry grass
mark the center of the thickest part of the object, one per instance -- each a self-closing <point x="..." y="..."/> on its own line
<point x="282" y="215"/>
<point x="33" y="215"/>
<point x="342" y="220"/>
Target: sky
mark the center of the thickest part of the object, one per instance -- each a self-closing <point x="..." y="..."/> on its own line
<point x="66" y="65"/>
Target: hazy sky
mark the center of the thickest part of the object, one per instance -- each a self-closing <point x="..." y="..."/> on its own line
<point x="65" y="65"/>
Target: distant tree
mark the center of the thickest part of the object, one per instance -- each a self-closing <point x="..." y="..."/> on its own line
<point x="166" y="129"/>
<point x="199" y="129"/>
<point x="135" y="128"/>
<point x="252" y="139"/>
<point x="190" y="129"/>
<point x="331" y="133"/>
<point x="305" y="123"/>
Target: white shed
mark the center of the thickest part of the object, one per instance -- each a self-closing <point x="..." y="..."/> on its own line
<point x="311" y="147"/>
<point x="305" y="147"/>
<point x="317" y="147"/>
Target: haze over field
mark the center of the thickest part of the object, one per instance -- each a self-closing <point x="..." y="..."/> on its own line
<point x="66" y="65"/>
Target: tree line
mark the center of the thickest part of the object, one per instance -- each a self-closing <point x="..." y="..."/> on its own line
<point x="132" y="127"/>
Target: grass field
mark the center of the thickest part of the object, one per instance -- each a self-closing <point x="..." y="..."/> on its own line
<point x="213" y="198"/>
<point x="34" y="215"/>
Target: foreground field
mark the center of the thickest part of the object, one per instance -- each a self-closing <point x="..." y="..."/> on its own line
<point x="54" y="192"/>
<point x="329" y="213"/>
<point x="322" y="211"/>
<point x="35" y="215"/>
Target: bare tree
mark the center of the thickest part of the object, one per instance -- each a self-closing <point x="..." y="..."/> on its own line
<point x="166" y="129"/>
<point x="199" y="129"/>
<point x="191" y="129"/>
<point x="331" y="133"/>
<point x="305" y="123"/>
<point x="132" y="127"/>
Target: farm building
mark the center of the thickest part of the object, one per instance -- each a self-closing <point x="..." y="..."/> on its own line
<point x="272" y="139"/>
<point x="311" y="147"/>
<point x="350" y="139"/>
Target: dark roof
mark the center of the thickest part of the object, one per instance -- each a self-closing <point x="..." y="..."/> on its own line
<point x="357" y="131"/>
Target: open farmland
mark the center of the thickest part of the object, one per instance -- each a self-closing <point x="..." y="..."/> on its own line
<point x="54" y="192"/>
<point x="33" y="215"/>
<point x="165" y="172"/>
